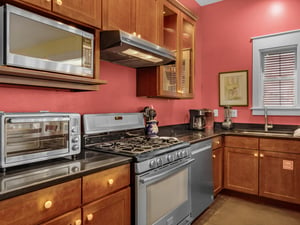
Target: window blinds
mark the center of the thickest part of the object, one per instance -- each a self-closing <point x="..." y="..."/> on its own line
<point x="279" y="78"/>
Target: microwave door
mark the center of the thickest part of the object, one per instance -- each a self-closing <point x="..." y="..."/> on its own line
<point x="37" y="42"/>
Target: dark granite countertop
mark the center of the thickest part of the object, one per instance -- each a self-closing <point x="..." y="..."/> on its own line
<point x="32" y="177"/>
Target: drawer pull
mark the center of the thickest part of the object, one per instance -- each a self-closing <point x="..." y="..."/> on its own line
<point x="48" y="0"/>
<point x="48" y="204"/>
<point x="110" y="181"/>
<point x="59" y="2"/>
<point x="214" y="156"/>
<point x="255" y="154"/>
<point x="261" y="155"/>
<point x="77" y="222"/>
<point x="217" y="142"/>
<point x="89" y="217"/>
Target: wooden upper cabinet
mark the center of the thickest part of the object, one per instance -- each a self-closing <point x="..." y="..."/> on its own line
<point x="88" y="11"/>
<point x="177" y="35"/>
<point x="133" y="16"/>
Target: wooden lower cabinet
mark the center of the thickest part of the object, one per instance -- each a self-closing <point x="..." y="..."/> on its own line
<point x="113" y="210"/>
<point x="217" y="155"/>
<point x="70" y="218"/>
<point x="280" y="176"/>
<point x="241" y="170"/>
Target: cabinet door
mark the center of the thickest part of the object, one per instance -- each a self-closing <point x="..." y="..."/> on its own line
<point x="147" y="19"/>
<point x="118" y="15"/>
<point x="70" y="218"/>
<point x="113" y="209"/>
<point x="87" y="11"/>
<point x="280" y="176"/>
<point x="45" y="4"/>
<point x="241" y="170"/>
<point x="218" y="169"/>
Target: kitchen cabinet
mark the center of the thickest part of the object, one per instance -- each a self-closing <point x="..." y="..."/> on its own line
<point x="241" y="164"/>
<point x="88" y="11"/>
<point x="266" y="167"/>
<point x="106" y="197"/>
<point x="280" y="169"/>
<point x="133" y="16"/>
<point x="71" y="218"/>
<point x="217" y="155"/>
<point x="177" y="80"/>
<point x="43" y="205"/>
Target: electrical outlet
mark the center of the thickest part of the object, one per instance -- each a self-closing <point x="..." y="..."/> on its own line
<point x="216" y="113"/>
<point x="234" y="113"/>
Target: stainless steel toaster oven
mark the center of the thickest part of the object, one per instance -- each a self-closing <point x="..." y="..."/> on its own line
<point x="33" y="137"/>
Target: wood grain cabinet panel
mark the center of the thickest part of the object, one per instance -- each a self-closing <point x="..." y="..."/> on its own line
<point x="42" y="205"/>
<point x="133" y="16"/>
<point x="99" y="184"/>
<point x="241" y="142"/>
<point x="113" y="210"/>
<point x="217" y="169"/>
<point x="87" y="11"/>
<point x="70" y="218"/>
<point x="280" y="145"/>
<point x="217" y="142"/>
<point x="241" y="170"/>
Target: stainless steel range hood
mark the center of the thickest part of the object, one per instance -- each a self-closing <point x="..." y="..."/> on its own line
<point x="128" y="50"/>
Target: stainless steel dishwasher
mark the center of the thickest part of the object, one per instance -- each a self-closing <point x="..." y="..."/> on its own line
<point x="202" y="178"/>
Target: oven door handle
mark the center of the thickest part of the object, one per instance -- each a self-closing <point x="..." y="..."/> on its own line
<point x="170" y="171"/>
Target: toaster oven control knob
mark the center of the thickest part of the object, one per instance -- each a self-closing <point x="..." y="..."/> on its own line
<point x="75" y="139"/>
<point x="75" y="147"/>
<point x="74" y="129"/>
<point x="152" y="164"/>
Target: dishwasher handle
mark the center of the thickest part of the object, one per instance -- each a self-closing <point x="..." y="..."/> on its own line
<point x="167" y="172"/>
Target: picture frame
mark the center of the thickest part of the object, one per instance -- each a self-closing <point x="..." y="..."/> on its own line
<point x="233" y="88"/>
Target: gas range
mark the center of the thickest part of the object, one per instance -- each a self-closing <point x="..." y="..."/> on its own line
<point x="110" y="133"/>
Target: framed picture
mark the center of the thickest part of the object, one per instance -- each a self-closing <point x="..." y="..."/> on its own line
<point x="233" y="88"/>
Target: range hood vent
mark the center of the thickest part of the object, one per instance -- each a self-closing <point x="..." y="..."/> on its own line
<point x="128" y="50"/>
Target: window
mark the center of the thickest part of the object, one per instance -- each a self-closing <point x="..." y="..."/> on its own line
<point x="275" y="74"/>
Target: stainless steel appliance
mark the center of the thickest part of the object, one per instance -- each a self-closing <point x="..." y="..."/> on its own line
<point x="227" y="124"/>
<point x="128" y="50"/>
<point x="202" y="177"/>
<point x="34" y="137"/>
<point x="200" y="119"/>
<point x="31" y="41"/>
<point x="162" y="166"/>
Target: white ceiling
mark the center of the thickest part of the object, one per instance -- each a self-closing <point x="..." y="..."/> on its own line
<point x="206" y="2"/>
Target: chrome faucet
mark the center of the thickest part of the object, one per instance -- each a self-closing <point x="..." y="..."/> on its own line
<point x="267" y="126"/>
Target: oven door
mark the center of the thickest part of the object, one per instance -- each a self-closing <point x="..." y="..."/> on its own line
<point x="163" y="196"/>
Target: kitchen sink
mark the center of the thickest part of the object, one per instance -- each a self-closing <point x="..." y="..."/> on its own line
<point x="265" y="133"/>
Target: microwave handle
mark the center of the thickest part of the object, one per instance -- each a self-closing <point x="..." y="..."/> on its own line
<point x="33" y="120"/>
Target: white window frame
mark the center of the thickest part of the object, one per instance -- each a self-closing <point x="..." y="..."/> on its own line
<point x="268" y="43"/>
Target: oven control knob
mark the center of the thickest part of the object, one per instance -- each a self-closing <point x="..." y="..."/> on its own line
<point x="159" y="162"/>
<point x="152" y="164"/>
<point x="75" y="139"/>
<point x="180" y="154"/>
<point x="75" y="147"/>
<point x="170" y="158"/>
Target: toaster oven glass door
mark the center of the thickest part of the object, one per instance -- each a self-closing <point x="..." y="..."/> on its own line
<point x="33" y="136"/>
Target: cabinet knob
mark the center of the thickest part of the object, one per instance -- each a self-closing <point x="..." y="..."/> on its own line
<point x="77" y="222"/>
<point x="134" y="33"/>
<point x="59" y="2"/>
<point x="90" y="216"/>
<point x="214" y="156"/>
<point x="48" y="0"/>
<point x="139" y="36"/>
<point x="217" y="142"/>
<point x="261" y="155"/>
<point x="48" y="204"/>
<point x="255" y="154"/>
<point x="110" y="181"/>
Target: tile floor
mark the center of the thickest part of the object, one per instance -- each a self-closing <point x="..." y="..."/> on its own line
<point x="229" y="209"/>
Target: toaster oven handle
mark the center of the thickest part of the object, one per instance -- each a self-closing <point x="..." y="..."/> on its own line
<point x="33" y="120"/>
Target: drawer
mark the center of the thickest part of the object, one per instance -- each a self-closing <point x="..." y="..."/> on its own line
<point x="70" y="218"/>
<point x="280" y="145"/>
<point x="217" y="142"/>
<point x="241" y="142"/>
<point x="42" y="205"/>
<point x="99" y="184"/>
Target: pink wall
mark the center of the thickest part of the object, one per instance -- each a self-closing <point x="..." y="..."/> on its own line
<point x="224" y="40"/>
<point x="223" y="44"/>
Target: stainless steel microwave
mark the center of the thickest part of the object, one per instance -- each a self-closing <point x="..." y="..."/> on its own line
<point x="31" y="41"/>
<point x="34" y="137"/>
